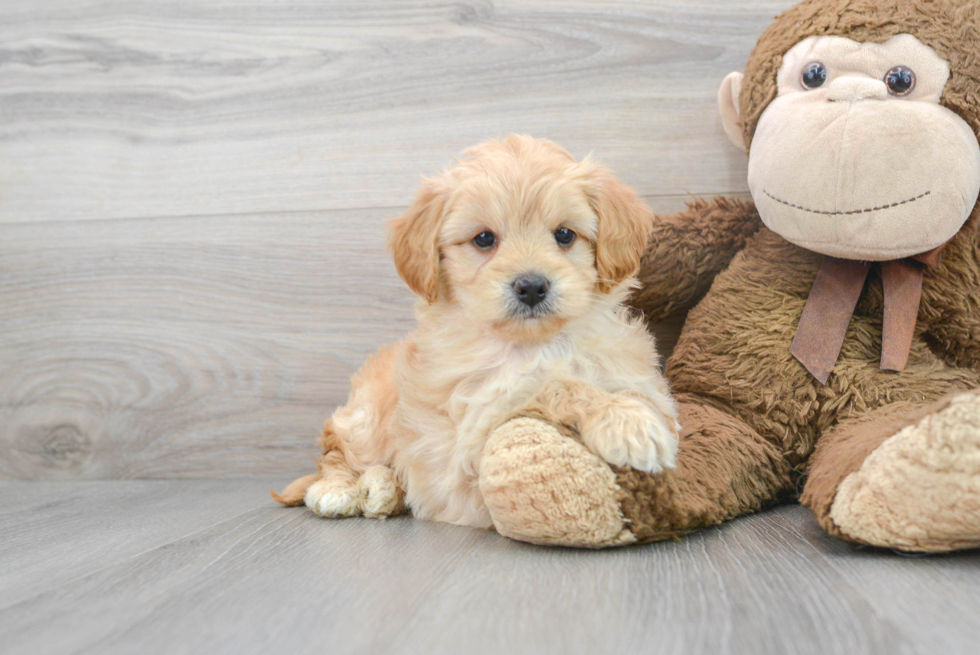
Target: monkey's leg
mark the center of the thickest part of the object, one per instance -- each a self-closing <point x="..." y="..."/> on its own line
<point x="546" y="488"/>
<point x="902" y="477"/>
<point x="724" y="469"/>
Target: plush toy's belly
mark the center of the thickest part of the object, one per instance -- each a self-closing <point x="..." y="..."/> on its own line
<point x="734" y="352"/>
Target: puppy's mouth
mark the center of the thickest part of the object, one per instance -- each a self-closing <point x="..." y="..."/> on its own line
<point x="523" y="312"/>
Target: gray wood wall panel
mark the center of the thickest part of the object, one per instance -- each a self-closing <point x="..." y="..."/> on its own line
<point x="193" y="346"/>
<point x="192" y="196"/>
<point x="143" y="108"/>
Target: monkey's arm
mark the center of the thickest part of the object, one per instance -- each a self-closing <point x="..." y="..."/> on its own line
<point x="687" y="250"/>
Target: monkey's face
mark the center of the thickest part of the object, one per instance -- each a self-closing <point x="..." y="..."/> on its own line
<point x="855" y="157"/>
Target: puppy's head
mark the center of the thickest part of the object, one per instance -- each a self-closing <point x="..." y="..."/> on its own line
<point x="521" y="237"/>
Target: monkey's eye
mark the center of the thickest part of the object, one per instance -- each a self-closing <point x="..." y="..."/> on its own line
<point x="814" y="75"/>
<point x="564" y="236"/>
<point x="485" y="240"/>
<point x="900" y="81"/>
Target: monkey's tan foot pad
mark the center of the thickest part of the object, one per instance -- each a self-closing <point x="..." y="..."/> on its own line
<point x="544" y="488"/>
<point x="919" y="490"/>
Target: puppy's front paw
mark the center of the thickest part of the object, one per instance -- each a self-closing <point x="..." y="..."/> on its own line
<point x="629" y="432"/>
<point x="332" y="500"/>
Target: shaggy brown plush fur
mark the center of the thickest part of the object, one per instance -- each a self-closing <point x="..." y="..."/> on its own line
<point x="702" y="240"/>
<point x="752" y="415"/>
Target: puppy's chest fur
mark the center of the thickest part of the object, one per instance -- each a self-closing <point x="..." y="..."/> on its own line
<point x="483" y="399"/>
<point x="474" y="389"/>
<point x="455" y="389"/>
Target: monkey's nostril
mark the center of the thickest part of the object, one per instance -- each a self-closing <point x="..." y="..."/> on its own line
<point x="531" y="289"/>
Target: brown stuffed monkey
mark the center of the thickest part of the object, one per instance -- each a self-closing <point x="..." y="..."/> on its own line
<point x="834" y="340"/>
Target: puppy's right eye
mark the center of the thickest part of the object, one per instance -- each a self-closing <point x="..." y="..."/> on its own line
<point x="564" y="236"/>
<point x="485" y="240"/>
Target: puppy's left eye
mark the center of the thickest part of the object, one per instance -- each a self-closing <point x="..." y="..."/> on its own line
<point x="564" y="236"/>
<point x="485" y="240"/>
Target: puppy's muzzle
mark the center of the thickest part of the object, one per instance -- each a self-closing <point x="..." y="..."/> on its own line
<point x="531" y="289"/>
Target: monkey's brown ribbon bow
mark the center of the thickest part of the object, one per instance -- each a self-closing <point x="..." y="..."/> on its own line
<point x="820" y="335"/>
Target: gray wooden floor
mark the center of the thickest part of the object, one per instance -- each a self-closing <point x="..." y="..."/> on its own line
<point x="192" y="204"/>
<point x="214" y="567"/>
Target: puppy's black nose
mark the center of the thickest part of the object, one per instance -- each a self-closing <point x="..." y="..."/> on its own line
<point x="531" y="289"/>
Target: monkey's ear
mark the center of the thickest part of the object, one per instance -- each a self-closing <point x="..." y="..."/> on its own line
<point x="413" y="241"/>
<point x="728" y="103"/>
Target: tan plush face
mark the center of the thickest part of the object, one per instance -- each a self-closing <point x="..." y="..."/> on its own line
<point x="855" y="158"/>
<point x="521" y="238"/>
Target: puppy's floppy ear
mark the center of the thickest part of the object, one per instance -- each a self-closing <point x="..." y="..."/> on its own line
<point x="625" y="224"/>
<point x="413" y="241"/>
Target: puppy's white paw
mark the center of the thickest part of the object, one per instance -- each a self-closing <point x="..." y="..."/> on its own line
<point x="631" y="433"/>
<point x="378" y="491"/>
<point x="327" y="498"/>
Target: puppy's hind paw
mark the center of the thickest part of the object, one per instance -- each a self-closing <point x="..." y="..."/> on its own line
<point x="331" y="500"/>
<point x="379" y="495"/>
<point x="630" y="432"/>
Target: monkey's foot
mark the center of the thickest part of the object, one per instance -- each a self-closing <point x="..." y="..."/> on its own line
<point x="548" y="489"/>
<point x="920" y="489"/>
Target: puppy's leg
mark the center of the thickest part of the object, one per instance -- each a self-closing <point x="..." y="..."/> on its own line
<point x="335" y="494"/>
<point x="379" y="495"/>
<point x="626" y="428"/>
<point x="354" y="479"/>
<point x="343" y="490"/>
<point x="375" y="494"/>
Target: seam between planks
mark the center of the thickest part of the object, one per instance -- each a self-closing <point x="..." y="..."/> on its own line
<point x="324" y="210"/>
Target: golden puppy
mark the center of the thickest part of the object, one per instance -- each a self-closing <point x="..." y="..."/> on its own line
<point x="522" y="257"/>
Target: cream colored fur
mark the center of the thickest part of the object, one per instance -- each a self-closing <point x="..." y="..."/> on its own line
<point x="846" y="167"/>
<point x="919" y="490"/>
<point x="420" y="413"/>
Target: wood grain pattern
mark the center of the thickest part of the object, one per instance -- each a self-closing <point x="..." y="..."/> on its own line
<point x="268" y="579"/>
<point x="189" y="347"/>
<point x="55" y="533"/>
<point x="149" y="108"/>
<point x="192" y="196"/>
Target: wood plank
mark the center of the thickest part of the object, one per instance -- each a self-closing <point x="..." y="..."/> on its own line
<point x="149" y="108"/>
<point x="55" y="532"/>
<point x="907" y="585"/>
<point x="196" y="347"/>
<point x="284" y="580"/>
<point x="750" y="586"/>
<point x="191" y="347"/>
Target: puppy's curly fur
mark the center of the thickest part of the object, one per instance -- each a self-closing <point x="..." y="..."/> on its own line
<point x="413" y="431"/>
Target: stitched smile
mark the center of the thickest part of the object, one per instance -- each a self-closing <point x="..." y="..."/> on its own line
<point x="855" y="211"/>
